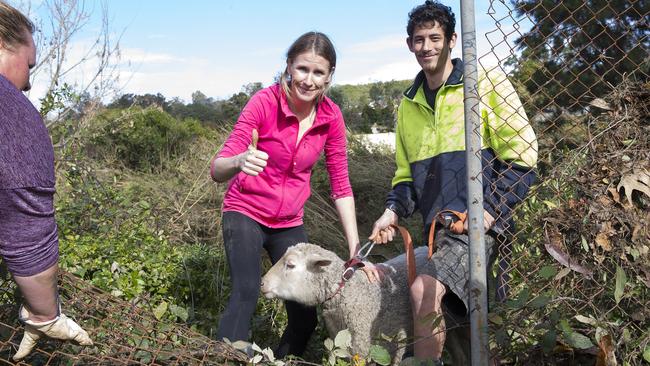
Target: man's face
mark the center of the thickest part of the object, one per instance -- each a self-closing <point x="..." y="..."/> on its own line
<point x="15" y="63"/>
<point x="430" y="47"/>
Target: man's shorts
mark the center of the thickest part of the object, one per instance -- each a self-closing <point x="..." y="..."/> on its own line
<point x="450" y="265"/>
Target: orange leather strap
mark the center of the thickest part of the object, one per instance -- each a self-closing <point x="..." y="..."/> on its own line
<point x="456" y="227"/>
<point x="410" y="255"/>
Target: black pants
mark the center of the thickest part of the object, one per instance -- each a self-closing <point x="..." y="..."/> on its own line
<point x="243" y="239"/>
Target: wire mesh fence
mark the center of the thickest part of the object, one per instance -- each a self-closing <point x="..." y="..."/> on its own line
<point x="574" y="278"/>
<point x="123" y="334"/>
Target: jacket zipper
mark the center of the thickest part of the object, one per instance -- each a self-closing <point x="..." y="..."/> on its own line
<point x="292" y="164"/>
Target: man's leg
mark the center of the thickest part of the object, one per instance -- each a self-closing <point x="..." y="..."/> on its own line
<point x="426" y="300"/>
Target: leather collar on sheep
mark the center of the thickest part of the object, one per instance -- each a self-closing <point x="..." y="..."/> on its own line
<point x="350" y="266"/>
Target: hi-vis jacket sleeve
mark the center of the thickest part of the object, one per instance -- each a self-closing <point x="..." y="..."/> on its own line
<point x="512" y="138"/>
<point x="401" y="199"/>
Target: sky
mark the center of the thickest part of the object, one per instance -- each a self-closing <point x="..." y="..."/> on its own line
<point x="178" y="47"/>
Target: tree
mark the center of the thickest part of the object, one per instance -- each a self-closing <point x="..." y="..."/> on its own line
<point x="252" y="88"/>
<point x="59" y="23"/>
<point x="580" y="50"/>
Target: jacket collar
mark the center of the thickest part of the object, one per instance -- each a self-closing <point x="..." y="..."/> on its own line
<point x="455" y="78"/>
<point x="324" y="110"/>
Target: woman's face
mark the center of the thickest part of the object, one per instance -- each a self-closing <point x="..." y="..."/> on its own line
<point x="310" y="74"/>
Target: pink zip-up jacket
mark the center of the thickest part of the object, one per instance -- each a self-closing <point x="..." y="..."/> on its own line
<point x="276" y="197"/>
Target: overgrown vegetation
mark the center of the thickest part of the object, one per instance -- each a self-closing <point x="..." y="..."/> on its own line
<point x="139" y="218"/>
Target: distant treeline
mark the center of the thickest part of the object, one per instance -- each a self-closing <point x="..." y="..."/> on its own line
<point x="366" y="108"/>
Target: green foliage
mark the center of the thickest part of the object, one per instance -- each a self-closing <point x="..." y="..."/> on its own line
<point x="57" y="98"/>
<point x="581" y="50"/>
<point x="369" y="105"/>
<point x="143" y="139"/>
<point x="108" y="238"/>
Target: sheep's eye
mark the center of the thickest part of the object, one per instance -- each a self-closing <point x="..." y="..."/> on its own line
<point x="291" y="265"/>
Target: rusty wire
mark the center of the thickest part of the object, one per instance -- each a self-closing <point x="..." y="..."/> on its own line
<point x="585" y="90"/>
<point x="123" y="334"/>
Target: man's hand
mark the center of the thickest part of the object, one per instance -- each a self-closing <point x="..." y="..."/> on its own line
<point x="488" y="222"/>
<point x="252" y="161"/>
<point x="383" y="230"/>
<point x="62" y="328"/>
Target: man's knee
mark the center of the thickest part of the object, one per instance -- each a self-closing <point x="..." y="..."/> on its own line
<point x="427" y="289"/>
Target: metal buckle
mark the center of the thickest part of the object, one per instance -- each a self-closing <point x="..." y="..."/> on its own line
<point x="365" y="250"/>
<point x="446" y="221"/>
<point x="347" y="274"/>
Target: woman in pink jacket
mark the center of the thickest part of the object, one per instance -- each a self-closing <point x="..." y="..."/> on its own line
<point x="269" y="182"/>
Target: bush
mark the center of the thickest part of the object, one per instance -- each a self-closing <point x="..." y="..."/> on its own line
<point x="143" y="139"/>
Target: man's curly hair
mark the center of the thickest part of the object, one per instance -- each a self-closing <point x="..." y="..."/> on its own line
<point x="432" y="11"/>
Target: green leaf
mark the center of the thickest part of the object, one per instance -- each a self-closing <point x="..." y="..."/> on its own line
<point x="343" y="339"/>
<point x="573" y="338"/>
<point x="646" y="354"/>
<point x="379" y="355"/>
<point x="179" y="312"/>
<point x="495" y="319"/>
<point x="143" y="356"/>
<point x="550" y="204"/>
<point x="621" y="280"/>
<point x="160" y="310"/>
<point x="539" y="302"/>
<point x="578" y="340"/>
<point x="502" y="337"/>
<point x="547" y="272"/>
<point x="549" y="339"/>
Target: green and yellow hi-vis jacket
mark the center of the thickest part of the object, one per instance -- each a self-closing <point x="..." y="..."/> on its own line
<point x="430" y="149"/>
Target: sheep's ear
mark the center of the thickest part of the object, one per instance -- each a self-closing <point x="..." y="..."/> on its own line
<point x="318" y="262"/>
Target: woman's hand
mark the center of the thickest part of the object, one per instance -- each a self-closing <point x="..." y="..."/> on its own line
<point x="252" y="161"/>
<point x="374" y="273"/>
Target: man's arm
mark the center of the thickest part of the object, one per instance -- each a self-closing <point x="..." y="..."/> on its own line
<point x="400" y="201"/>
<point x="513" y="140"/>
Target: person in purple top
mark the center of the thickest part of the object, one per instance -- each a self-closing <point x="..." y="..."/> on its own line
<point x="29" y="242"/>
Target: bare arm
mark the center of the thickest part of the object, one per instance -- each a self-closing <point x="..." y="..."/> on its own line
<point x="251" y="162"/>
<point x="345" y="209"/>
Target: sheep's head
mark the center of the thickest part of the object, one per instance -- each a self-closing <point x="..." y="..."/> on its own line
<point x="298" y="275"/>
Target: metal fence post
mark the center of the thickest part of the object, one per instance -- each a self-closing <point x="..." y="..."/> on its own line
<point x="477" y="258"/>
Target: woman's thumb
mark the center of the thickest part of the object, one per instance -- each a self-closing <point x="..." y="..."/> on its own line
<point x="255" y="138"/>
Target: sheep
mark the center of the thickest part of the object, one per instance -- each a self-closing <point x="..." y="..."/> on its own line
<point x="310" y="275"/>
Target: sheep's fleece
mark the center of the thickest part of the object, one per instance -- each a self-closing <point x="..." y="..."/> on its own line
<point x="310" y="275"/>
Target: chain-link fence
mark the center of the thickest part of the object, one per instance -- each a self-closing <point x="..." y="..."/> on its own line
<point x="123" y="333"/>
<point x="573" y="279"/>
